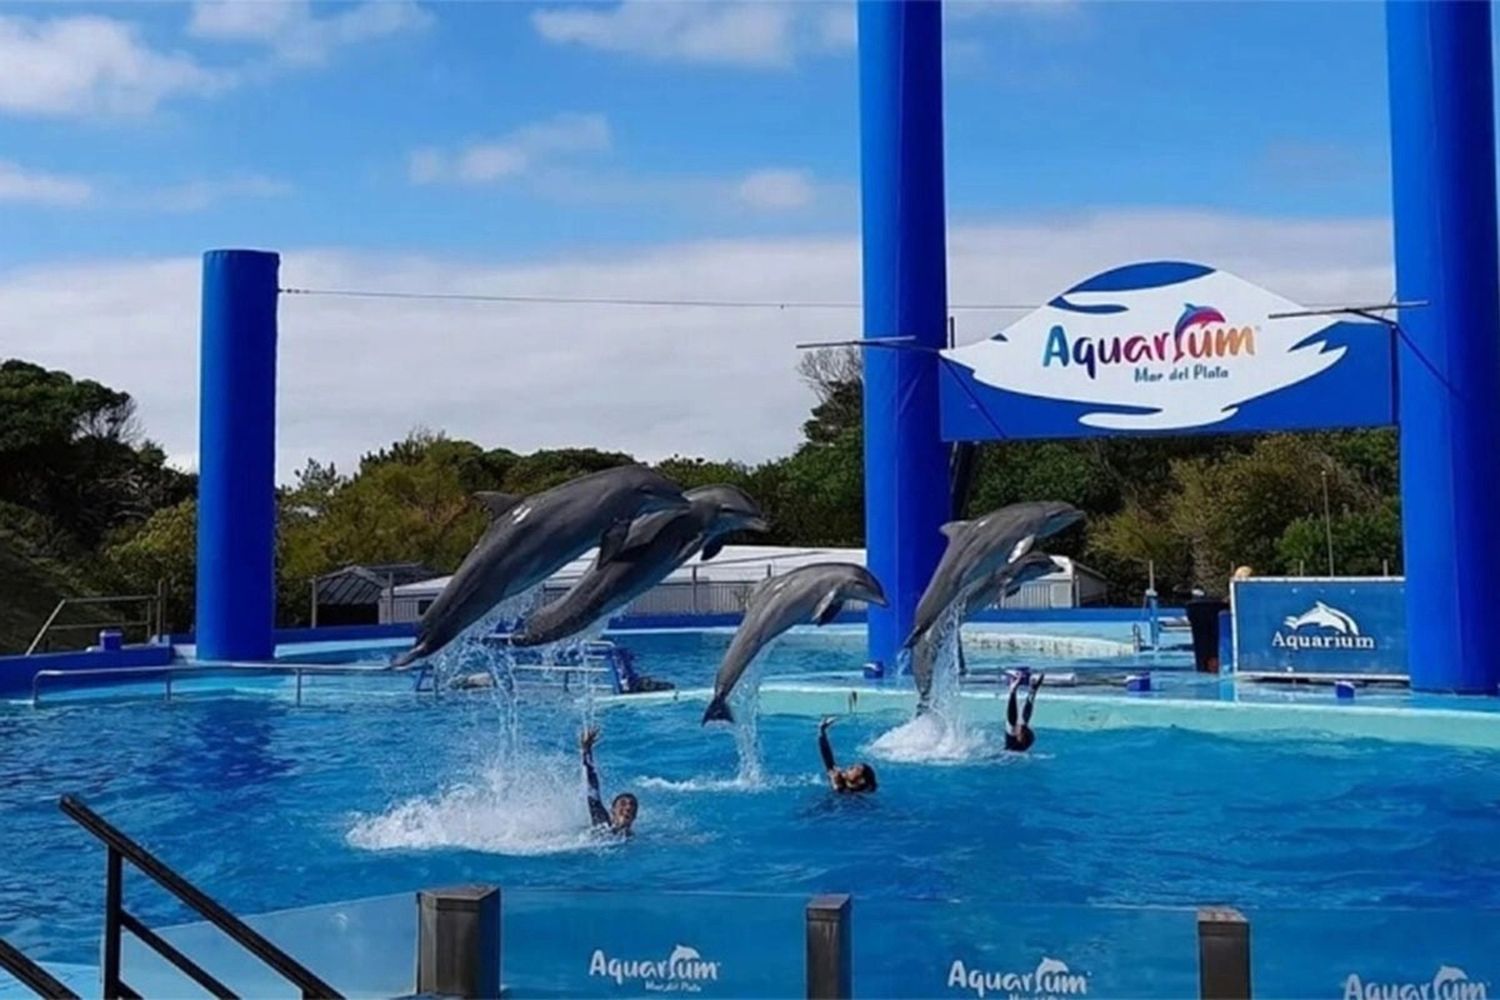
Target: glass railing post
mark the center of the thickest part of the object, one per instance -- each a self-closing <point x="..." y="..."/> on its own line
<point x="829" y="950"/>
<point x="458" y="941"/>
<point x="1223" y="954"/>
<point x="113" y="888"/>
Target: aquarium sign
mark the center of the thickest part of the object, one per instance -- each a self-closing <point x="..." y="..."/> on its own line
<point x="1050" y="980"/>
<point x="1167" y="347"/>
<point x="1448" y="983"/>
<point x="684" y="970"/>
<point x="1320" y="626"/>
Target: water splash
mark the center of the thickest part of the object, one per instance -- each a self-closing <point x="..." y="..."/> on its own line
<point x="744" y="702"/>
<point x="941" y="733"/>
<point x="527" y="805"/>
<point x="744" y="706"/>
<point x="735" y="784"/>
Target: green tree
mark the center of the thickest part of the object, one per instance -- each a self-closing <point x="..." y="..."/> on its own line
<point x="163" y="550"/>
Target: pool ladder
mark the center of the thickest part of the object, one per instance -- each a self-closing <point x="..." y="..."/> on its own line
<point x="119" y="849"/>
<point x="31" y="975"/>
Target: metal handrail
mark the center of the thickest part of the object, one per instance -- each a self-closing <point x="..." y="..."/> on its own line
<point x="152" y="602"/>
<point x="31" y="975"/>
<point x="169" y="671"/>
<point x="116" y="918"/>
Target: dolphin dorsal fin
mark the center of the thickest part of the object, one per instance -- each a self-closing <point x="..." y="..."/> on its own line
<point x="952" y="528"/>
<point x="496" y="503"/>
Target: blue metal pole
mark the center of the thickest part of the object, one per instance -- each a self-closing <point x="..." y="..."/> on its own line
<point x="905" y="295"/>
<point x="237" y="457"/>
<point x="1443" y="173"/>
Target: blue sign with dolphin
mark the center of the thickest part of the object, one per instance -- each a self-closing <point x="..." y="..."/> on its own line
<point x="1168" y="347"/>
<point x="1320" y="626"/>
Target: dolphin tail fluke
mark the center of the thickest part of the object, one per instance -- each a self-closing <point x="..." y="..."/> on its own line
<point x="409" y="657"/>
<point x="717" y="711"/>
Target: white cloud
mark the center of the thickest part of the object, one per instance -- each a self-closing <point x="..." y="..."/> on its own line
<point x="719" y="382"/>
<point x="90" y="65"/>
<point x="295" y="33"/>
<point x="196" y="195"/>
<point x="17" y="184"/>
<point x="778" y="190"/>
<point x="514" y="154"/>
<point x="747" y="34"/>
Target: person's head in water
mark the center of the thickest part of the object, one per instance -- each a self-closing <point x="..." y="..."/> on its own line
<point x="622" y="812"/>
<point x="858" y="777"/>
<point x="854" y="778"/>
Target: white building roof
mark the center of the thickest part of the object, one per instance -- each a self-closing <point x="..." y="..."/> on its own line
<point x="735" y="564"/>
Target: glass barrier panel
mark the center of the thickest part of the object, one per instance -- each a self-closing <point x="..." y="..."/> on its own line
<point x="571" y="944"/>
<point x="362" y="948"/>
<point x="981" y="951"/>
<point x="1384" y="954"/>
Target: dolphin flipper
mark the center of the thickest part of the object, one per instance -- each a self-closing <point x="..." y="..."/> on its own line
<point x="828" y="609"/>
<point x="712" y="549"/>
<point x="613" y="542"/>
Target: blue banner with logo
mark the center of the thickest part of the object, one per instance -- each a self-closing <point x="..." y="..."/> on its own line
<point x="1330" y="626"/>
<point x="1168" y="347"/>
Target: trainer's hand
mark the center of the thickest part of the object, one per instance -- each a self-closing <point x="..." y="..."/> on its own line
<point x="588" y="738"/>
<point x="828" y="720"/>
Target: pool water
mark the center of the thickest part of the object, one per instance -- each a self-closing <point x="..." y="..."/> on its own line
<point x="366" y="789"/>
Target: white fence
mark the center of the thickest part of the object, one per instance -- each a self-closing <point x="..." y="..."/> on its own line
<point x="709" y="597"/>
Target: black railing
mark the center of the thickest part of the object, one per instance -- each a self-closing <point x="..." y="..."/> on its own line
<point x="121" y="848"/>
<point x="35" y="978"/>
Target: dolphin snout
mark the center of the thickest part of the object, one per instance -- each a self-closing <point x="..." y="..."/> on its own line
<point x="755" y="524"/>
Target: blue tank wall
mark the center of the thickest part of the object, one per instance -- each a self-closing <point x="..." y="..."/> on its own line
<point x="236" y="608"/>
<point x="1443" y="173"/>
<point x="905" y="295"/>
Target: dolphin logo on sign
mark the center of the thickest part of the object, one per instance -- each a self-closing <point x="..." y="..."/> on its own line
<point x="1159" y="346"/>
<point x="1323" y="616"/>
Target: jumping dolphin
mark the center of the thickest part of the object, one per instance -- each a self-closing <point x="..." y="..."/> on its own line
<point x="810" y="594"/>
<point x="657" y="544"/>
<point x="529" y="538"/>
<point x="1005" y="582"/>
<point x="978" y="549"/>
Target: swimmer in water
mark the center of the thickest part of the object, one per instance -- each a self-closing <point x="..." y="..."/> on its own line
<point x="620" y="816"/>
<point x="854" y="778"/>
<point x="1018" y="732"/>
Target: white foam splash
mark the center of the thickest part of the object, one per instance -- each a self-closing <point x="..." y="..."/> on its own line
<point x="932" y="739"/>
<point x="535" y="807"/>
<point x="735" y="784"/>
<point x="940" y="734"/>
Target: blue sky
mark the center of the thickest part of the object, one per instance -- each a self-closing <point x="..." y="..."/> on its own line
<point x="704" y="149"/>
<point x="285" y="141"/>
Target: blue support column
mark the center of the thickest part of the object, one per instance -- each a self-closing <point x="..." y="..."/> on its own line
<point x="237" y="457"/>
<point x="1443" y="173"/>
<point x="905" y="295"/>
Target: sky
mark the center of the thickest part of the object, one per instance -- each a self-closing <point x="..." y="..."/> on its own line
<point x="641" y="149"/>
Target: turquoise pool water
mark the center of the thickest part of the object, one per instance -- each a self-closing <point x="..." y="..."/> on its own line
<point x="366" y="789"/>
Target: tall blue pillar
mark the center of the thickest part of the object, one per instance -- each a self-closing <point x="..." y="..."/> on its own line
<point x="1443" y="173"/>
<point x="237" y="457"/>
<point x="905" y="295"/>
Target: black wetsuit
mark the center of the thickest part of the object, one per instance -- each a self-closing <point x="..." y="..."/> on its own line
<point x="826" y="749"/>
<point x="598" y="815"/>
<point x="1019" y="737"/>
